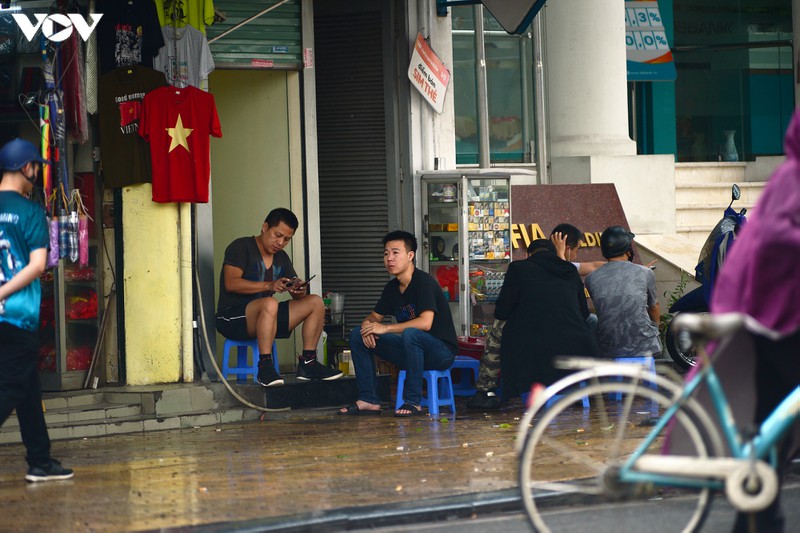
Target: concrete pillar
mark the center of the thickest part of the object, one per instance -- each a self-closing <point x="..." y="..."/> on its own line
<point x="587" y="78"/>
<point x="152" y="288"/>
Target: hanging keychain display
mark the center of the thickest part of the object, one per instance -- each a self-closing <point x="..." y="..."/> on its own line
<point x="68" y="229"/>
<point x="83" y="227"/>
<point x="53" y="253"/>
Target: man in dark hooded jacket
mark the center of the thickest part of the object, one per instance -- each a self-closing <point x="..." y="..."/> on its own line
<point x="544" y="305"/>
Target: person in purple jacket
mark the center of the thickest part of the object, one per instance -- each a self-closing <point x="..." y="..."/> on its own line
<point x="760" y="280"/>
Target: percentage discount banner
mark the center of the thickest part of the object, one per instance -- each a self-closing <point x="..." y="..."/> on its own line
<point x="648" y="52"/>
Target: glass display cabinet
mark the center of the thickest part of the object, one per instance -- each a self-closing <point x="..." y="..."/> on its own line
<point x="465" y="241"/>
<point x="71" y="308"/>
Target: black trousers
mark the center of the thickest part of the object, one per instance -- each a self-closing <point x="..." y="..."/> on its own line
<point x="20" y="389"/>
<point x="777" y="374"/>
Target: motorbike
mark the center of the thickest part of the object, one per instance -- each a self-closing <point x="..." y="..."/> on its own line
<point x="712" y="256"/>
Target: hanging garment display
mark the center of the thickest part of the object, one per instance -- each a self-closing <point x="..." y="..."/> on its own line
<point x="124" y="155"/>
<point x="177" y="123"/>
<point x="186" y="58"/>
<point x="178" y="13"/>
<point x="73" y="86"/>
<point x="90" y="75"/>
<point x="44" y="125"/>
<point x="128" y="34"/>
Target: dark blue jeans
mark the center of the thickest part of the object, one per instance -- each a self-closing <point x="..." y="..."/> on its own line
<point x="20" y="390"/>
<point x="413" y="351"/>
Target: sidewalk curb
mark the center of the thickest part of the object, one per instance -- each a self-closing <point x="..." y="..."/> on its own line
<point x="401" y="513"/>
<point x="349" y="518"/>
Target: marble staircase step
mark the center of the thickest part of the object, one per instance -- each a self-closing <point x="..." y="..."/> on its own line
<point x="713" y="172"/>
<point x="718" y="194"/>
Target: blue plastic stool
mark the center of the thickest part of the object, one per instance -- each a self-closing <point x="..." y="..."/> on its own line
<point x="440" y="390"/>
<point x="647" y="361"/>
<point x="243" y="369"/>
<point x="469" y="366"/>
<point x="551" y="401"/>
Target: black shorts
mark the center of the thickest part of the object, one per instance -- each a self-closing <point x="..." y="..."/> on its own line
<point x="232" y="322"/>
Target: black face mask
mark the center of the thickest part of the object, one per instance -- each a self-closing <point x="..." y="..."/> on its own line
<point x="31" y="179"/>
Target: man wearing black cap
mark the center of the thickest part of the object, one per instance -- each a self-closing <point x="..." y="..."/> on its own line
<point x="624" y="295"/>
<point x="23" y="256"/>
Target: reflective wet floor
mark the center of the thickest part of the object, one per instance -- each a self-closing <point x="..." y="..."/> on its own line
<point x="313" y="460"/>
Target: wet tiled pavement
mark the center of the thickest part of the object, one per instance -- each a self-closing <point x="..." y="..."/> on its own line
<point x="312" y="460"/>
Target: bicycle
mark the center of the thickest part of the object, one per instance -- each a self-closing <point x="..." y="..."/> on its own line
<point x="615" y="456"/>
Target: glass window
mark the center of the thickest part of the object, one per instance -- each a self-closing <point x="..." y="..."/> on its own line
<point x="509" y="85"/>
<point x="734" y="90"/>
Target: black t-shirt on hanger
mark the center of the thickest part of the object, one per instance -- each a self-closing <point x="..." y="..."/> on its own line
<point x="128" y="33"/>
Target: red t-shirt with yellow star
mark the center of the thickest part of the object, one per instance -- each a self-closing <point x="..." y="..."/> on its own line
<point x="177" y="123"/>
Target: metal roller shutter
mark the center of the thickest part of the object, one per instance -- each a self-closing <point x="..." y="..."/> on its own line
<point x="352" y="147"/>
<point x="273" y="40"/>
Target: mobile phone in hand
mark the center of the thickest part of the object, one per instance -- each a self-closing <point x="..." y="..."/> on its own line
<point x="297" y="283"/>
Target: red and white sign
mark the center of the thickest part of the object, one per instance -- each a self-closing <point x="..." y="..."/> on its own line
<point x="428" y="74"/>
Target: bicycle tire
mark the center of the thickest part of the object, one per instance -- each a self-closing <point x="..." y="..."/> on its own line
<point x="579" y="454"/>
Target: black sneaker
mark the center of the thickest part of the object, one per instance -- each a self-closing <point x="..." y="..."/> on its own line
<point x="314" y="370"/>
<point x="484" y="400"/>
<point x="52" y="472"/>
<point x="267" y="376"/>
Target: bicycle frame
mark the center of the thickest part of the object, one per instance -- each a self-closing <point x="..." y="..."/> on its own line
<point x="593" y="369"/>
<point x="688" y="473"/>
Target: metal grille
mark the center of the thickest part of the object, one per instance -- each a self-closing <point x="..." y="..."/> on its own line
<point x="351" y="129"/>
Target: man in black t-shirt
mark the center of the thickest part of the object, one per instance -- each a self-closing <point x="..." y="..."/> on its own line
<point x="254" y="269"/>
<point x="423" y="338"/>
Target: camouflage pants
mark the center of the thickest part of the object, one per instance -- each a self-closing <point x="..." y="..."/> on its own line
<point x="490" y="360"/>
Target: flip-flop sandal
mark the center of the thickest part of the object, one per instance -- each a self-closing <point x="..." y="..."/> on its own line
<point x="412" y="411"/>
<point x="354" y="410"/>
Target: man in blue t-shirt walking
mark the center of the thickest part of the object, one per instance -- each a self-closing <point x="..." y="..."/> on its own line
<point x="423" y="338"/>
<point x="23" y="251"/>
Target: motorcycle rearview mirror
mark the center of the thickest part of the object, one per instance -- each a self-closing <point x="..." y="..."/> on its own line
<point x="736" y="193"/>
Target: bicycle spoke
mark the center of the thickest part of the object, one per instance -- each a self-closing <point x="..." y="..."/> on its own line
<point x="569" y="457"/>
<point x="626" y="409"/>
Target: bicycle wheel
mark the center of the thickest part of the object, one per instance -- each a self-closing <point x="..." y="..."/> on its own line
<point x="572" y="455"/>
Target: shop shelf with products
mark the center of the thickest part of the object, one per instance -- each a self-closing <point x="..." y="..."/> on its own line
<point x="466" y="211"/>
